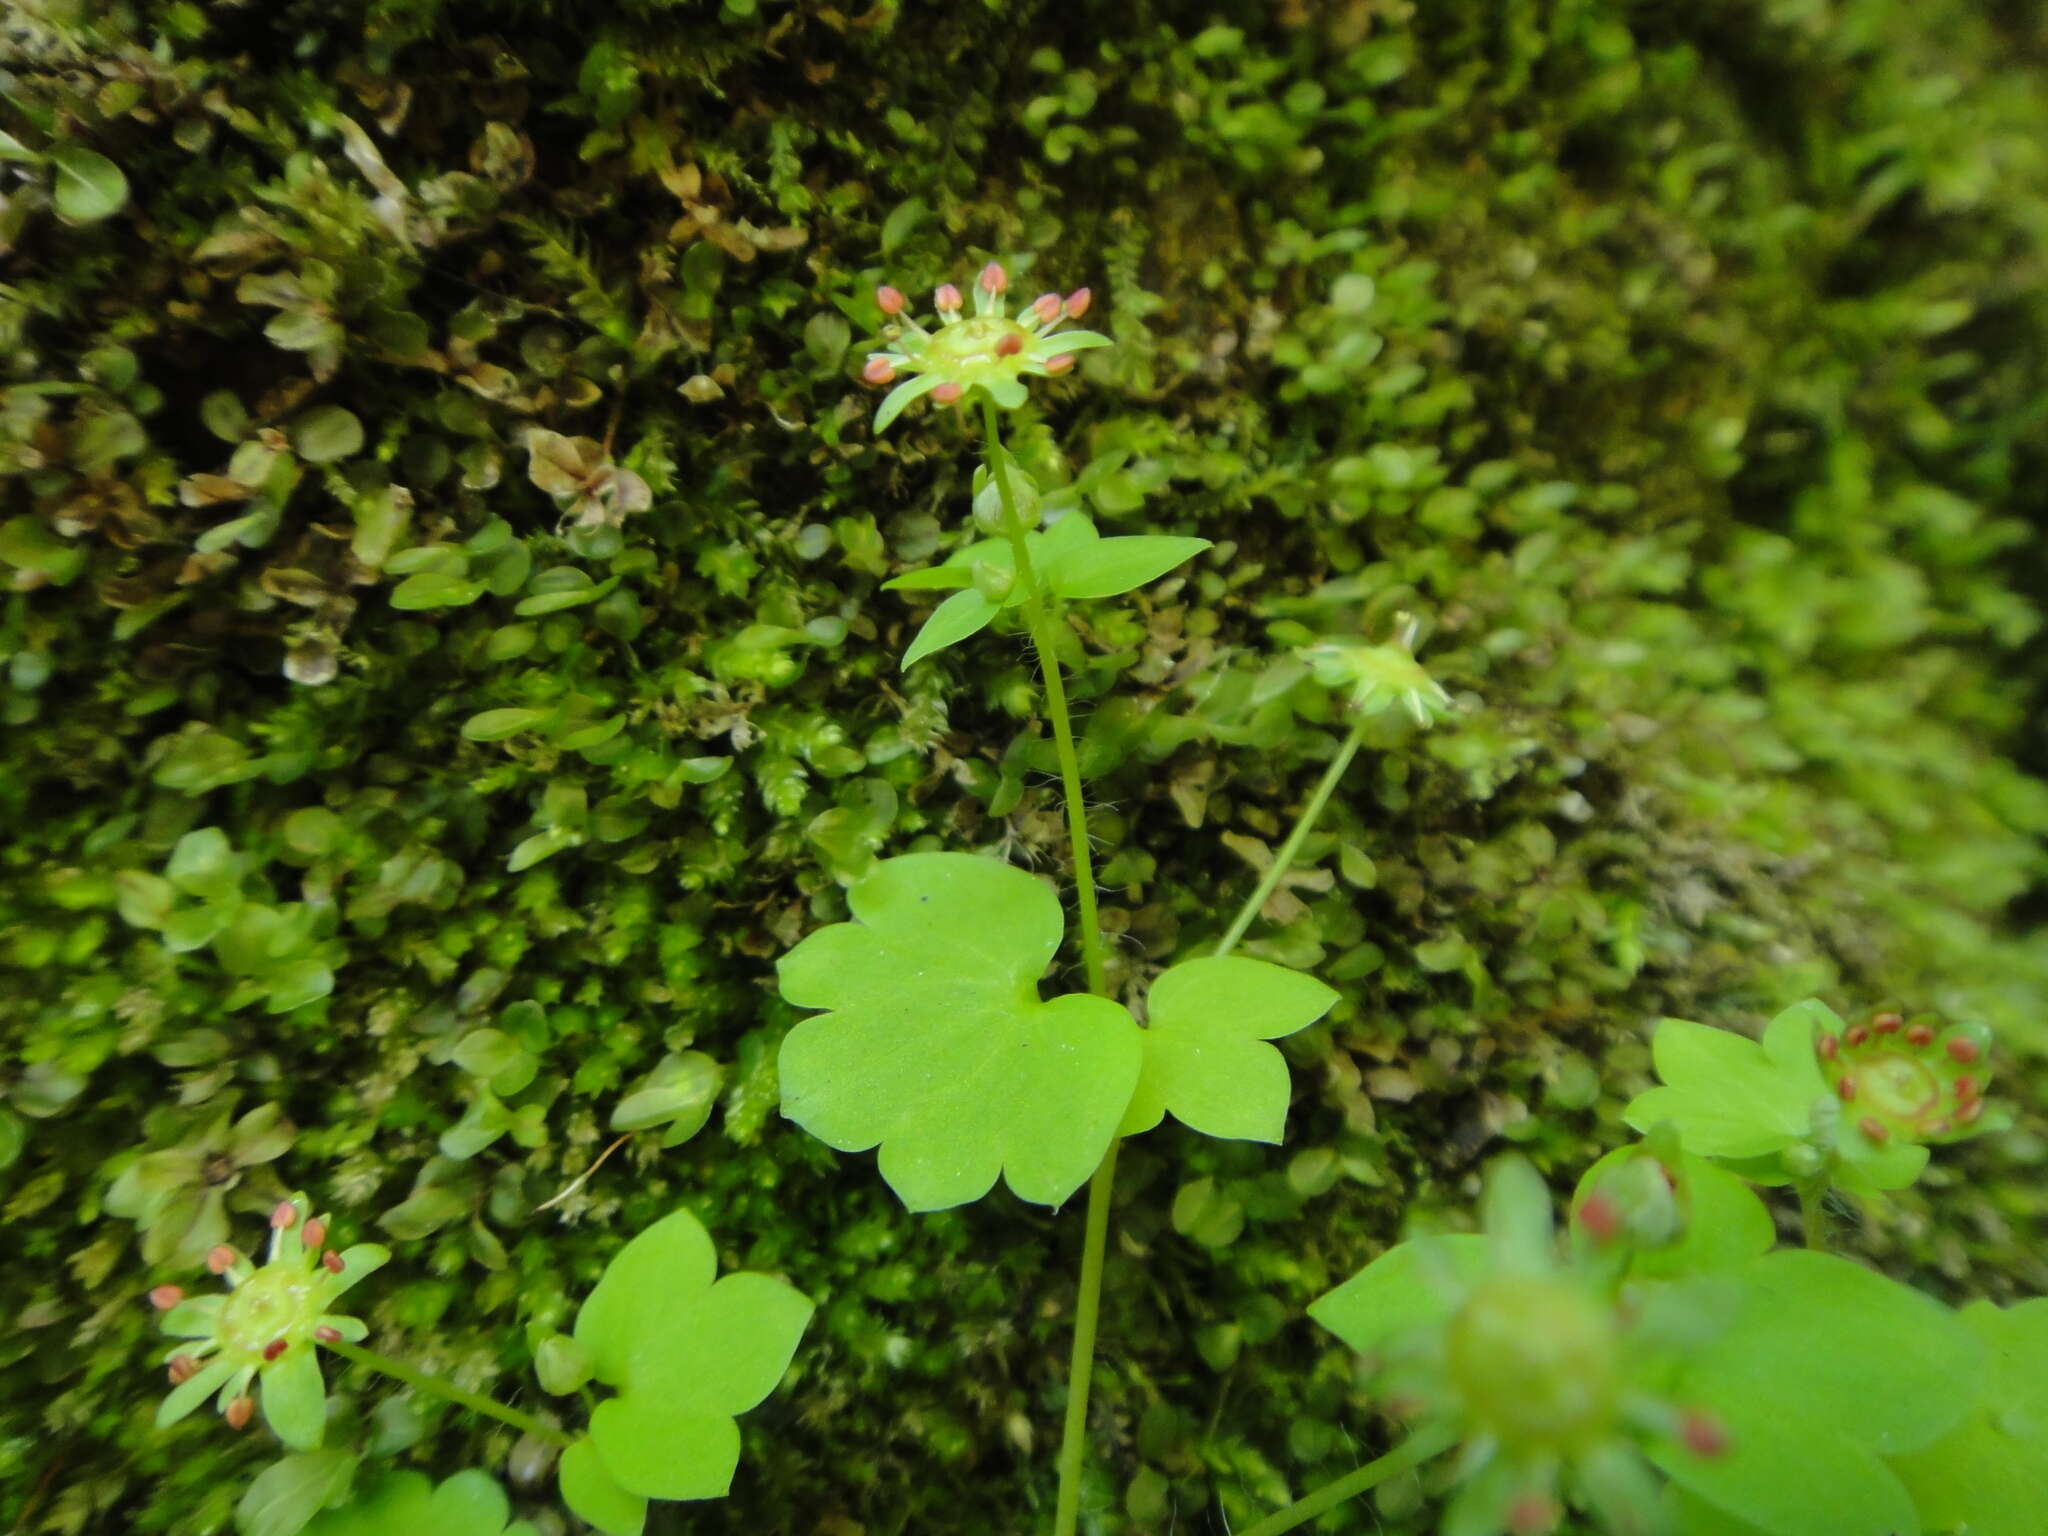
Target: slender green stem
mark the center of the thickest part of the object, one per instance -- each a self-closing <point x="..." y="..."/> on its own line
<point x="1095" y="1238"/>
<point x="1039" y="621"/>
<point x="1404" y="1457"/>
<point x="1813" y="1216"/>
<point x="476" y="1402"/>
<point x="1291" y="849"/>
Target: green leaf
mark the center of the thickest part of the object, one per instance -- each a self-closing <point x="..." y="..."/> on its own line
<point x="674" y="1257"/>
<point x="938" y="1048"/>
<point x="679" y="1092"/>
<point x="594" y="1496"/>
<point x="500" y="724"/>
<point x="897" y="398"/>
<point x="435" y="589"/>
<point x="1409" y="1286"/>
<point x="561" y="587"/>
<point x="89" y="186"/>
<point x="933" y="578"/>
<point x="1825" y="1368"/>
<point x="470" y="1503"/>
<point x="653" y="1448"/>
<point x="326" y="433"/>
<point x="1206" y="1060"/>
<point x="297" y="984"/>
<point x="721" y="1353"/>
<point x="203" y="864"/>
<point x="1109" y="567"/>
<point x="288" y="1493"/>
<point x="1986" y="1476"/>
<point x="1729" y="1096"/>
<point x="961" y="615"/>
<point x="293" y="1398"/>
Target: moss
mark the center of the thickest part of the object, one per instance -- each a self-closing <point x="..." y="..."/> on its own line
<point x="1677" y="365"/>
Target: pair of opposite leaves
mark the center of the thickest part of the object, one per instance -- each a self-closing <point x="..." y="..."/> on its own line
<point x="937" y="1048"/>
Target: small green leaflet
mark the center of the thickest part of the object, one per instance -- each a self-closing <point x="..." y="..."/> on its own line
<point x="938" y="1048"/>
<point x="686" y="1354"/>
<point x="1206" y="1058"/>
<point x="1072" y="559"/>
<point x="406" y="1504"/>
<point x="1412" y="1285"/>
<point x="288" y="1493"/>
<point x="1729" y="1096"/>
<point x="592" y="1495"/>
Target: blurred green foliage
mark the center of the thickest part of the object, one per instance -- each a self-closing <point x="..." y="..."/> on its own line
<point x="442" y="658"/>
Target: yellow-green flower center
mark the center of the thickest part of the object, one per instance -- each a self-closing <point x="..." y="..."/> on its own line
<point x="279" y="1301"/>
<point x="966" y="350"/>
<point x="1896" y="1087"/>
<point x="1538" y="1363"/>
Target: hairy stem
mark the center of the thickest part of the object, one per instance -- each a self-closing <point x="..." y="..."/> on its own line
<point x="1813" y="1215"/>
<point x="1095" y="1239"/>
<point x="1402" y="1458"/>
<point x="1291" y="849"/>
<point x="476" y="1402"/>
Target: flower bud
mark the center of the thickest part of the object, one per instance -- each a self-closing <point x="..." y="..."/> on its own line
<point x="240" y="1412"/>
<point x="889" y="300"/>
<point x="879" y="371"/>
<point x="1061" y="364"/>
<point x="946" y="393"/>
<point x="993" y="278"/>
<point x="165" y="1297"/>
<point x="947" y="299"/>
<point x="1078" y="302"/>
<point x="1046" y="307"/>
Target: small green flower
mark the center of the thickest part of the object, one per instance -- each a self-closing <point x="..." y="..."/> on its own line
<point x="265" y="1328"/>
<point x="986" y="350"/>
<point x="1910" y="1079"/>
<point x="1376" y="678"/>
<point x="1544" y="1377"/>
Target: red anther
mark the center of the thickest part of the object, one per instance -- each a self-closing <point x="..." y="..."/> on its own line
<point x="1531" y="1514"/>
<point x="879" y="371"/>
<point x="275" y="1348"/>
<point x="315" y="1234"/>
<point x="1846" y="1088"/>
<point x="1600" y="1217"/>
<point x="1966" y="1088"/>
<point x="1939" y="1127"/>
<point x="1047" y="307"/>
<point x="1971" y="1112"/>
<point x="240" y="1412"/>
<point x="221" y="1259"/>
<point x="1855" y="1034"/>
<point x="327" y="1335"/>
<point x="1920" y="1034"/>
<point x="1828" y="1047"/>
<point x="1061" y="364"/>
<point x="1887" y="1023"/>
<point x="1010" y="345"/>
<point x="1078" y="302"/>
<point x="947" y="299"/>
<point x="946" y="393"/>
<point x="1702" y="1434"/>
<point x="182" y="1369"/>
<point x="332" y="1261"/>
<point x="1962" y="1050"/>
<point x="165" y="1297"/>
<point x="993" y="278"/>
<point x="889" y="300"/>
<point x="285" y="1215"/>
<point x="1874" y="1128"/>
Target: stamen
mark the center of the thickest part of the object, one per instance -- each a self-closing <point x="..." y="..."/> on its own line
<point x="1962" y="1051"/>
<point x="1046" y="307"/>
<point x="1702" y="1434"/>
<point x="1060" y="364"/>
<point x="182" y="1369"/>
<point x="1078" y="302"/>
<point x="879" y="371"/>
<point x="946" y="393"/>
<point x="275" y="1348"/>
<point x="165" y="1297"/>
<point x="890" y="300"/>
<point x="332" y="1262"/>
<point x="946" y="300"/>
<point x="993" y="278"/>
<point x="221" y="1259"/>
<point x="315" y="1234"/>
<point x="240" y="1412"/>
<point x="286" y="1215"/>
<point x="1920" y="1034"/>
<point x="1010" y="345"/>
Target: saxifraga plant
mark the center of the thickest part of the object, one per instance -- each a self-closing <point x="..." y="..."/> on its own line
<point x="1659" y="1364"/>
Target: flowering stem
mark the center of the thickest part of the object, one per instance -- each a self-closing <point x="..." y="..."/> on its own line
<point x="1813" y="1216"/>
<point x="1291" y="849"/>
<point x="476" y="1402"/>
<point x="1095" y="1233"/>
<point x="1404" y="1457"/>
